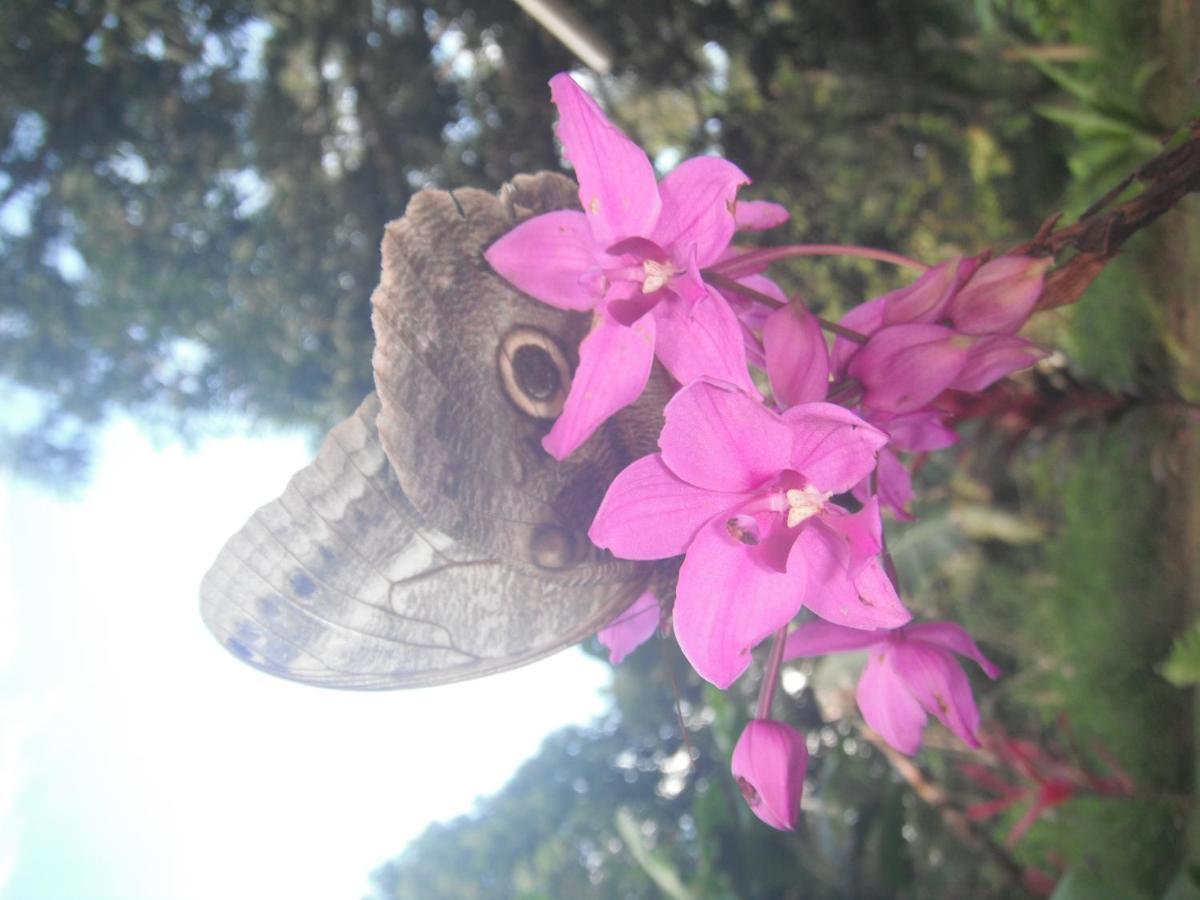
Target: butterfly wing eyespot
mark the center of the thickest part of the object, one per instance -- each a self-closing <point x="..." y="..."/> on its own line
<point x="534" y="372"/>
<point x="552" y="547"/>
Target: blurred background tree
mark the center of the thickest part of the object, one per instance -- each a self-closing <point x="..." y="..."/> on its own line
<point x="193" y="193"/>
<point x="192" y="196"/>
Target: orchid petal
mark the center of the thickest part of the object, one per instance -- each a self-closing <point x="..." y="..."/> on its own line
<point x="649" y="513"/>
<point x="775" y="540"/>
<point x="614" y="365"/>
<point x="698" y="198"/>
<point x="703" y="342"/>
<point x="952" y="637"/>
<point x="769" y="762"/>
<point x="617" y="187"/>
<point x="903" y="367"/>
<point x="819" y="638"/>
<point x="548" y="258"/>
<point x="726" y="603"/>
<point x="876" y="590"/>
<point x="759" y="215"/>
<point x="862" y="532"/>
<point x="888" y="706"/>
<point x="939" y="685"/>
<point x="893" y="485"/>
<point x="919" y="431"/>
<point x="832" y="594"/>
<point x="832" y="447"/>
<point x="719" y="438"/>
<point x="866" y="319"/>
<point x="993" y="357"/>
<point x="925" y="298"/>
<point x="1000" y="296"/>
<point x="753" y="314"/>
<point x="796" y="355"/>
<point x="632" y="628"/>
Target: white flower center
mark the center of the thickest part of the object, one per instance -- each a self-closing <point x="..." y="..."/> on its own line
<point x="804" y="503"/>
<point x="657" y="275"/>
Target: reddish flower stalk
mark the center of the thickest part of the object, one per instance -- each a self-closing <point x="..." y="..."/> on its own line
<point x="753" y="261"/>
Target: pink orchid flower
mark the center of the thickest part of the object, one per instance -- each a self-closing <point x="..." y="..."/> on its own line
<point x="746" y="494"/>
<point x="633" y="256"/>
<point x="632" y="628"/>
<point x="911" y="671"/>
<point x="769" y="763"/>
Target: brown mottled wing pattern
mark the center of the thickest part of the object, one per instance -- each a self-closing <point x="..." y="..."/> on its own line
<point x="471" y="461"/>
<point x="462" y="550"/>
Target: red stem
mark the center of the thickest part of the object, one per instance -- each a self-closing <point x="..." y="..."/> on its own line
<point x="754" y="261"/>
<point x="766" y="692"/>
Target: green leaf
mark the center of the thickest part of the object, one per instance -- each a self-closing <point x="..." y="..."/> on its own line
<point x="1182" y="665"/>
<point x="983" y="522"/>
<point x="1092" y="123"/>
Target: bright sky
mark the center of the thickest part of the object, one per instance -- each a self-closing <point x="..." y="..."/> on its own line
<point x="139" y="759"/>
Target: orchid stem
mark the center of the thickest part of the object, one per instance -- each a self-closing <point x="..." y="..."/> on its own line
<point x="766" y="693"/>
<point x="756" y="260"/>
<point x="683" y="729"/>
<point x="889" y="565"/>
<point x="724" y="282"/>
<point x="845" y="393"/>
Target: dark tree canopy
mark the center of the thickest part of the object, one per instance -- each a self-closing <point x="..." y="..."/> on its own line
<point x="194" y="193"/>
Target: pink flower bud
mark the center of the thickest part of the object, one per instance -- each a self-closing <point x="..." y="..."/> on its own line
<point x="903" y="367"/>
<point x="925" y="299"/>
<point x="1000" y="296"/>
<point x="769" y="763"/>
<point x="796" y="356"/>
<point x="991" y="358"/>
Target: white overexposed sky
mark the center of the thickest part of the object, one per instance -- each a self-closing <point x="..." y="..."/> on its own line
<point x="139" y="759"/>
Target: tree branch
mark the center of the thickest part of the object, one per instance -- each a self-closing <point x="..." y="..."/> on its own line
<point x="1099" y="234"/>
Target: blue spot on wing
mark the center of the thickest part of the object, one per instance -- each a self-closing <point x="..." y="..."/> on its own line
<point x="240" y="650"/>
<point x="302" y="585"/>
<point x="279" y="653"/>
<point x="271" y="607"/>
<point x="287" y="630"/>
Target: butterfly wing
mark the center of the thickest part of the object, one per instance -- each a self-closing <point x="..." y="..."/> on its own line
<point x="462" y="549"/>
<point x="339" y="583"/>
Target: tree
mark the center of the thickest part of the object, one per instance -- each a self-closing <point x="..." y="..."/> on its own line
<point x="193" y="193"/>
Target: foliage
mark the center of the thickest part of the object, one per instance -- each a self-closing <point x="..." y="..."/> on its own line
<point x="192" y="194"/>
<point x="1182" y="666"/>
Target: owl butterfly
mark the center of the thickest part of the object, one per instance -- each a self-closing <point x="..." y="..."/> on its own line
<point x="433" y="539"/>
